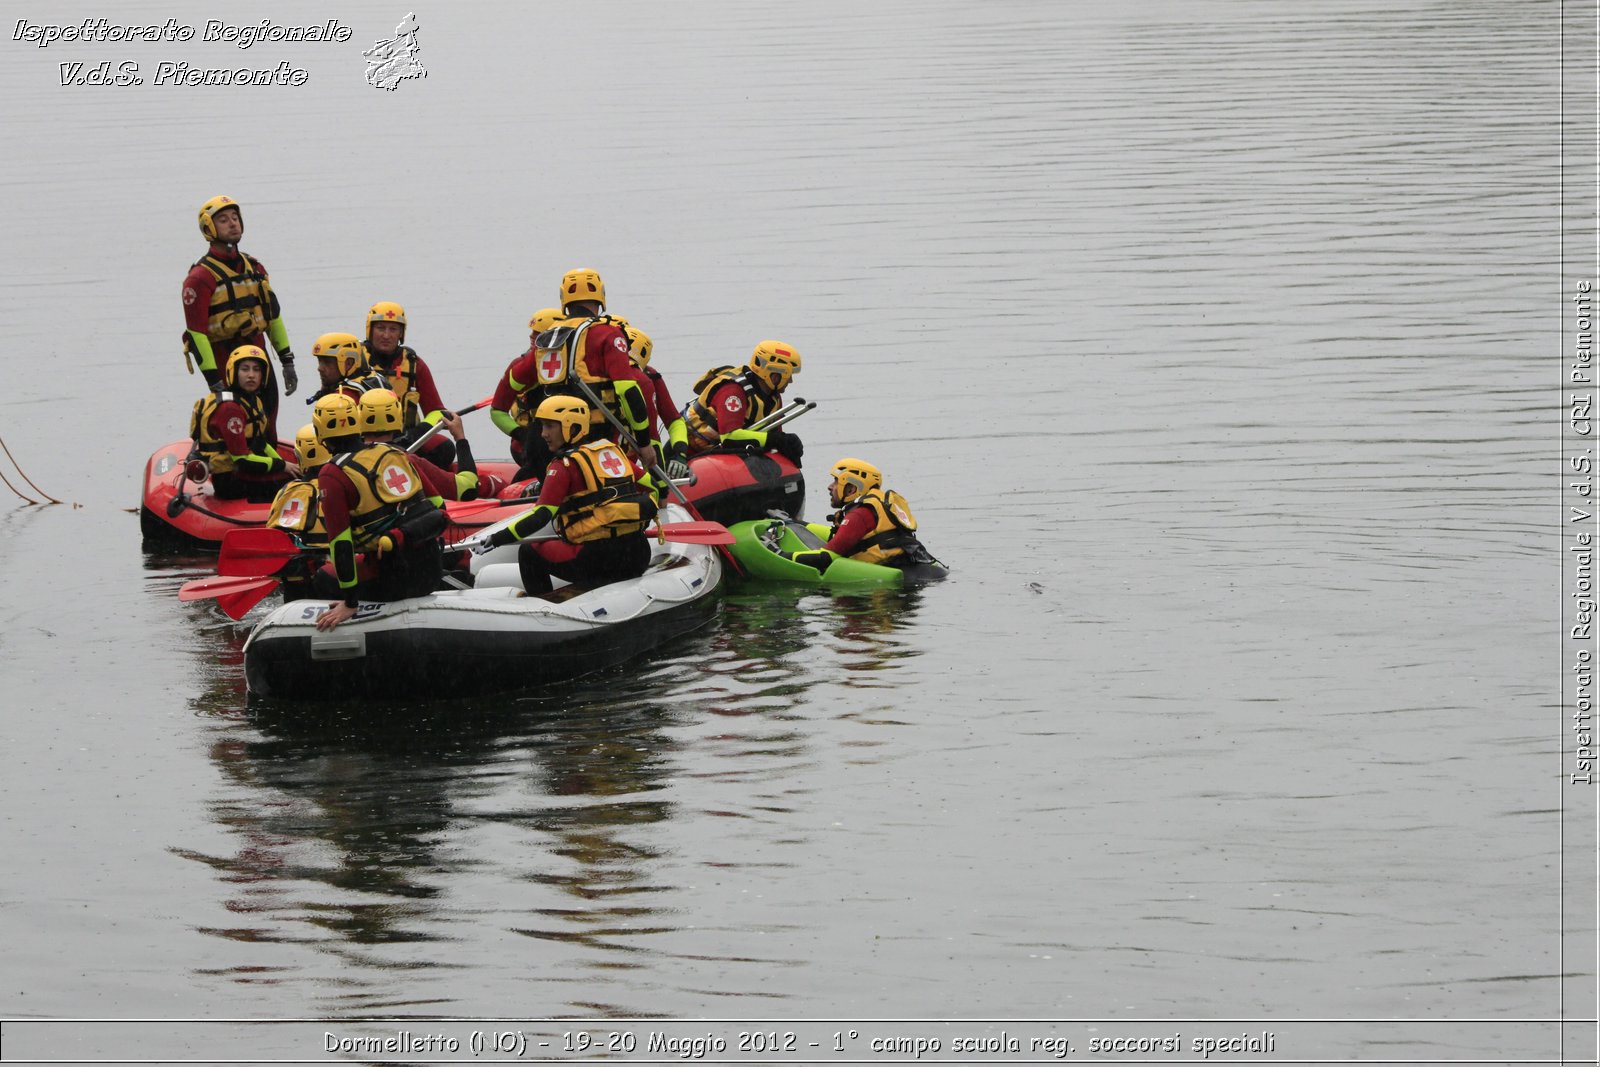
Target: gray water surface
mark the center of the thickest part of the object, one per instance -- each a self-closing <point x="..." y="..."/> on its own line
<point x="1215" y="347"/>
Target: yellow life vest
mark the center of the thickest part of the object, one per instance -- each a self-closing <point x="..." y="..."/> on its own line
<point x="387" y="486"/>
<point x="611" y="503"/>
<point x="555" y="369"/>
<point x="295" y="509"/>
<point x="210" y="445"/>
<point x="242" y="303"/>
<point x="402" y="380"/>
<point x="701" y="422"/>
<point x="894" y="533"/>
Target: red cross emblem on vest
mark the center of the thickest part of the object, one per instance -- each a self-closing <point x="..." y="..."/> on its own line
<point x="397" y="481"/>
<point x="292" y="511"/>
<point x="612" y="463"/>
<point x="550" y="364"/>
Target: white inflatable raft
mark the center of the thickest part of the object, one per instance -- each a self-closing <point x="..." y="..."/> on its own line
<point x="492" y="636"/>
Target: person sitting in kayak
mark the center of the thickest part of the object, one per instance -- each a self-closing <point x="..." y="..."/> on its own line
<point x="342" y="366"/>
<point x="518" y="394"/>
<point x="871" y="524"/>
<point x="728" y="400"/>
<point x="593" y="494"/>
<point x="409" y="378"/>
<point x="383" y="530"/>
<point x="231" y="433"/>
<point x="295" y="511"/>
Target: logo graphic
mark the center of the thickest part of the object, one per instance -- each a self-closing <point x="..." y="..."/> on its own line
<point x="734" y="403"/>
<point x="189" y="295"/>
<point x="397" y="481"/>
<point x="393" y="61"/>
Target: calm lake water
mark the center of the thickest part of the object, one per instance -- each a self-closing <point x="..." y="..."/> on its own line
<point x="1217" y="348"/>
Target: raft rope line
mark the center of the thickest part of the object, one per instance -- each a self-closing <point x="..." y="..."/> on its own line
<point x="23" y="474"/>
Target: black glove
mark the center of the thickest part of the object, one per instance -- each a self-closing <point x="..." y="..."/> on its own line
<point x="786" y="445"/>
<point x="501" y="537"/>
<point x="821" y="559"/>
<point x="291" y="380"/>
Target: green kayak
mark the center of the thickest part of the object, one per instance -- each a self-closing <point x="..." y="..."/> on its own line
<point x="757" y="544"/>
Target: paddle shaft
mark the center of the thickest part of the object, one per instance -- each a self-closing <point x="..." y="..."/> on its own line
<point x="785" y="416"/>
<point x="436" y="427"/>
<point x="792" y="410"/>
<point x="629" y="442"/>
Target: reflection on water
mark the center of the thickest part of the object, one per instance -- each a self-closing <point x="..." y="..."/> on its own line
<point x="409" y="839"/>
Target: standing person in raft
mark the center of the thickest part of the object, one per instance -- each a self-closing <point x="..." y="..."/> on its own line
<point x="871" y="524"/>
<point x="229" y="428"/>
<point x="408" y="378"/>
<point x="590" y="346"/>
<point x="728" y="400"/>
<point x="373" y="503"/>
<point x="228" y="302"/>
<point x="594" y="495"/>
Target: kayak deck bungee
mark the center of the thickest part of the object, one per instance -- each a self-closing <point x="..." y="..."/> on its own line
<point x="757" y="544"/>
<point x="489" y="637"/>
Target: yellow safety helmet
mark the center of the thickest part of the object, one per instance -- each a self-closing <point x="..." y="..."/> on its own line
<point x="543" y="319"/>
<point x="569" y="411"/>
<point x="334" y="415"/>
<point x="775" y="363"/>
<point x="581" y="283"/>
<point x="852" y="478"/>
<point x="639" y="346"/>
<point x="240" y="354"/>
<point x="308" y="448"/>
<point x="381" y="412"/>
<point x="208" y="214"/>
<point x="386" y="311"/>
<point x="345" y="350"/>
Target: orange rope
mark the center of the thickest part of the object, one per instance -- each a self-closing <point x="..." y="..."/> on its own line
<point x="14" y="489"/>
<point x="25" y="478"/>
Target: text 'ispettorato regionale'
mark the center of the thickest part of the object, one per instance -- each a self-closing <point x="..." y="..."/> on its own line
<point x="171" y="72"/>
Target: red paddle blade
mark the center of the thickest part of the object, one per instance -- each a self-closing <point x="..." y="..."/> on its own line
<point x="255" y="552"/>
<point x="694" y="533"/>
<point x="235" y="605"/>
<point x="221" y="586"/>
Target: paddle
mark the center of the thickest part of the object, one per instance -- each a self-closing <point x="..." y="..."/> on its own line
<point x="436" y="427"/>
<point x="236" y="605"/>
<point x="788" y="413"/>
<point x="694" y="533"/>
<point x="255" y="552"/>
<point x="261" y="552"/>
<point x="686" y="533"/>
<point x="627" y="441"/>
<point x="223" y="586"/>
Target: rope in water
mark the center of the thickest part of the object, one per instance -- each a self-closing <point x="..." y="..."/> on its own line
<point x="25" y="478"/>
